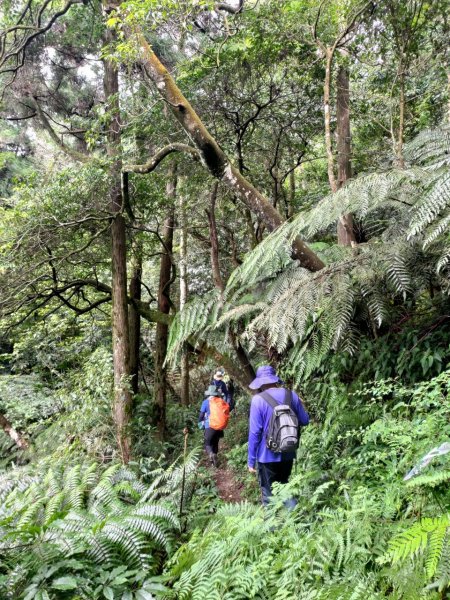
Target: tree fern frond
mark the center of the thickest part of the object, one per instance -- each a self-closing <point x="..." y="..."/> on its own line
<point x="343" y="308"/>
<point x="443" y="260"/>
<point x="434" y="202"/>
<point x="149" y="527"/>
<point x="54" y="506"/>
<point x="197" y="316"/>
<point x="398" y="275"/>
<point x="442" y="226"/>
<point x="430" y="148"/>
<point x="376" y="303"/>
<point x="238" y="312"/>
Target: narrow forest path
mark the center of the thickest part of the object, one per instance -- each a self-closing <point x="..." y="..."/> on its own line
<point x="228" y="488"/>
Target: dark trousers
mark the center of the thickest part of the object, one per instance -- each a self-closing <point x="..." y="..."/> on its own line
<point x="212" y="437"/>
<point x="270" y="473"/>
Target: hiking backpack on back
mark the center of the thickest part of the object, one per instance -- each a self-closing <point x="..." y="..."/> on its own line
<point x="219" y="413"/>
<point x="283" y="433"/>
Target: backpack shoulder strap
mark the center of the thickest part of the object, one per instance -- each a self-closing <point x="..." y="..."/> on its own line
<point x="268" y="398"/>
<point x="288" y="398"/>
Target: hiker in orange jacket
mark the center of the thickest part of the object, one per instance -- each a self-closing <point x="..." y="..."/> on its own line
<point x="213" y="418"/>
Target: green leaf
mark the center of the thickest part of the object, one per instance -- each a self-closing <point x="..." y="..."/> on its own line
<point x="65" y="583"/>
<point x="154" y="587"/>
<point x="108" y="593"/>
<point x="31" y="592"/>
<point x="119" y="580"/>
<point x="143" y="595"/>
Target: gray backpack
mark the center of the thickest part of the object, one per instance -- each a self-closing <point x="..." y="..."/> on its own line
<point x="283" y="434"/>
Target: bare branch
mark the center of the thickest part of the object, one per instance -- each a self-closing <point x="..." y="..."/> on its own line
<point x="17" y="52"/>
<point x="351" y="25"/>
<point x="154" y="161"/>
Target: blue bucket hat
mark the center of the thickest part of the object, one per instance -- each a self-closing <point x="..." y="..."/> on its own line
<point x="264" y="375"/>
<point x="213" y="390"/>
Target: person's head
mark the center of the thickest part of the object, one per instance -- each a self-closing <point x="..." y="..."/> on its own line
<point x="266" y="377"/>
<point x="219" y="374"/>
<point x="213" y="390"/>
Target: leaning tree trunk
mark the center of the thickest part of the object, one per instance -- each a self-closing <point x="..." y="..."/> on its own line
<point x="162" y="329"/>
<point x="184" y="361"/>
<point x="214" y="158"/>
<point x="120" y="331"/>
<point x="345" y="233"/>
<point x="16" y="437"/>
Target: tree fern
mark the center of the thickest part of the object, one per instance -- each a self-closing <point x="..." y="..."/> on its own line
<point x="271" y="300"/>
<point x="433" y="203"/>
<point x="430" y="148"/>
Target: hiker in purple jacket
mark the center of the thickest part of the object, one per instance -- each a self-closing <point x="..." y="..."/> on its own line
<point x="272" y="466"/>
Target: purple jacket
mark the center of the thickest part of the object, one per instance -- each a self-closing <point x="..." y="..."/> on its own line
<point x="260" y="413"/>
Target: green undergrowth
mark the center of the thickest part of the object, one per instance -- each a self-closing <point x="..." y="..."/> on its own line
<point x="92" y="531"/>
<point x="359" y="530"/>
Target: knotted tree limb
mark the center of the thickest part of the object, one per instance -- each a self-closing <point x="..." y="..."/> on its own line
<point x="212" y="155"/>
<point x="154" y="161"/>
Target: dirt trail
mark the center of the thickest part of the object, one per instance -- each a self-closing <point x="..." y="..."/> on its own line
<point x="229" y="489"/>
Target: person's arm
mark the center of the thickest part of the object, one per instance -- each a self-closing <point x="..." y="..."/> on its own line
<point x="203" y="409"/>
<point x="228" y="396"/>
<point x="255" y="432"/>
<point x="302" y="415"/>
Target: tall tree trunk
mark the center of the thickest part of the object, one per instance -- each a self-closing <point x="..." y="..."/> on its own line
<point x="291" y="195"/>
<point x="184" y="361"/>
<point x="247" y="212"/>
<point x="345" y="233"/>
<point x="219" y="283"/>
<point x="214" y="158"/>
<point x="327" y="118"/>
<point x="162" y="329"/>
<point x="120" y="331"/>
<point x="448" y="96"/>
<point x="134" y="315"/>
<point x="215" y="266"/>
<point x="401" y="120"/>
<point x="16" y="437"/>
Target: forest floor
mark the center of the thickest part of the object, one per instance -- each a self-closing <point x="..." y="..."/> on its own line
<point x="228" y="488"/>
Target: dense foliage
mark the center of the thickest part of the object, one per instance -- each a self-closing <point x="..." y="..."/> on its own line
<point x="191" y="184"/>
